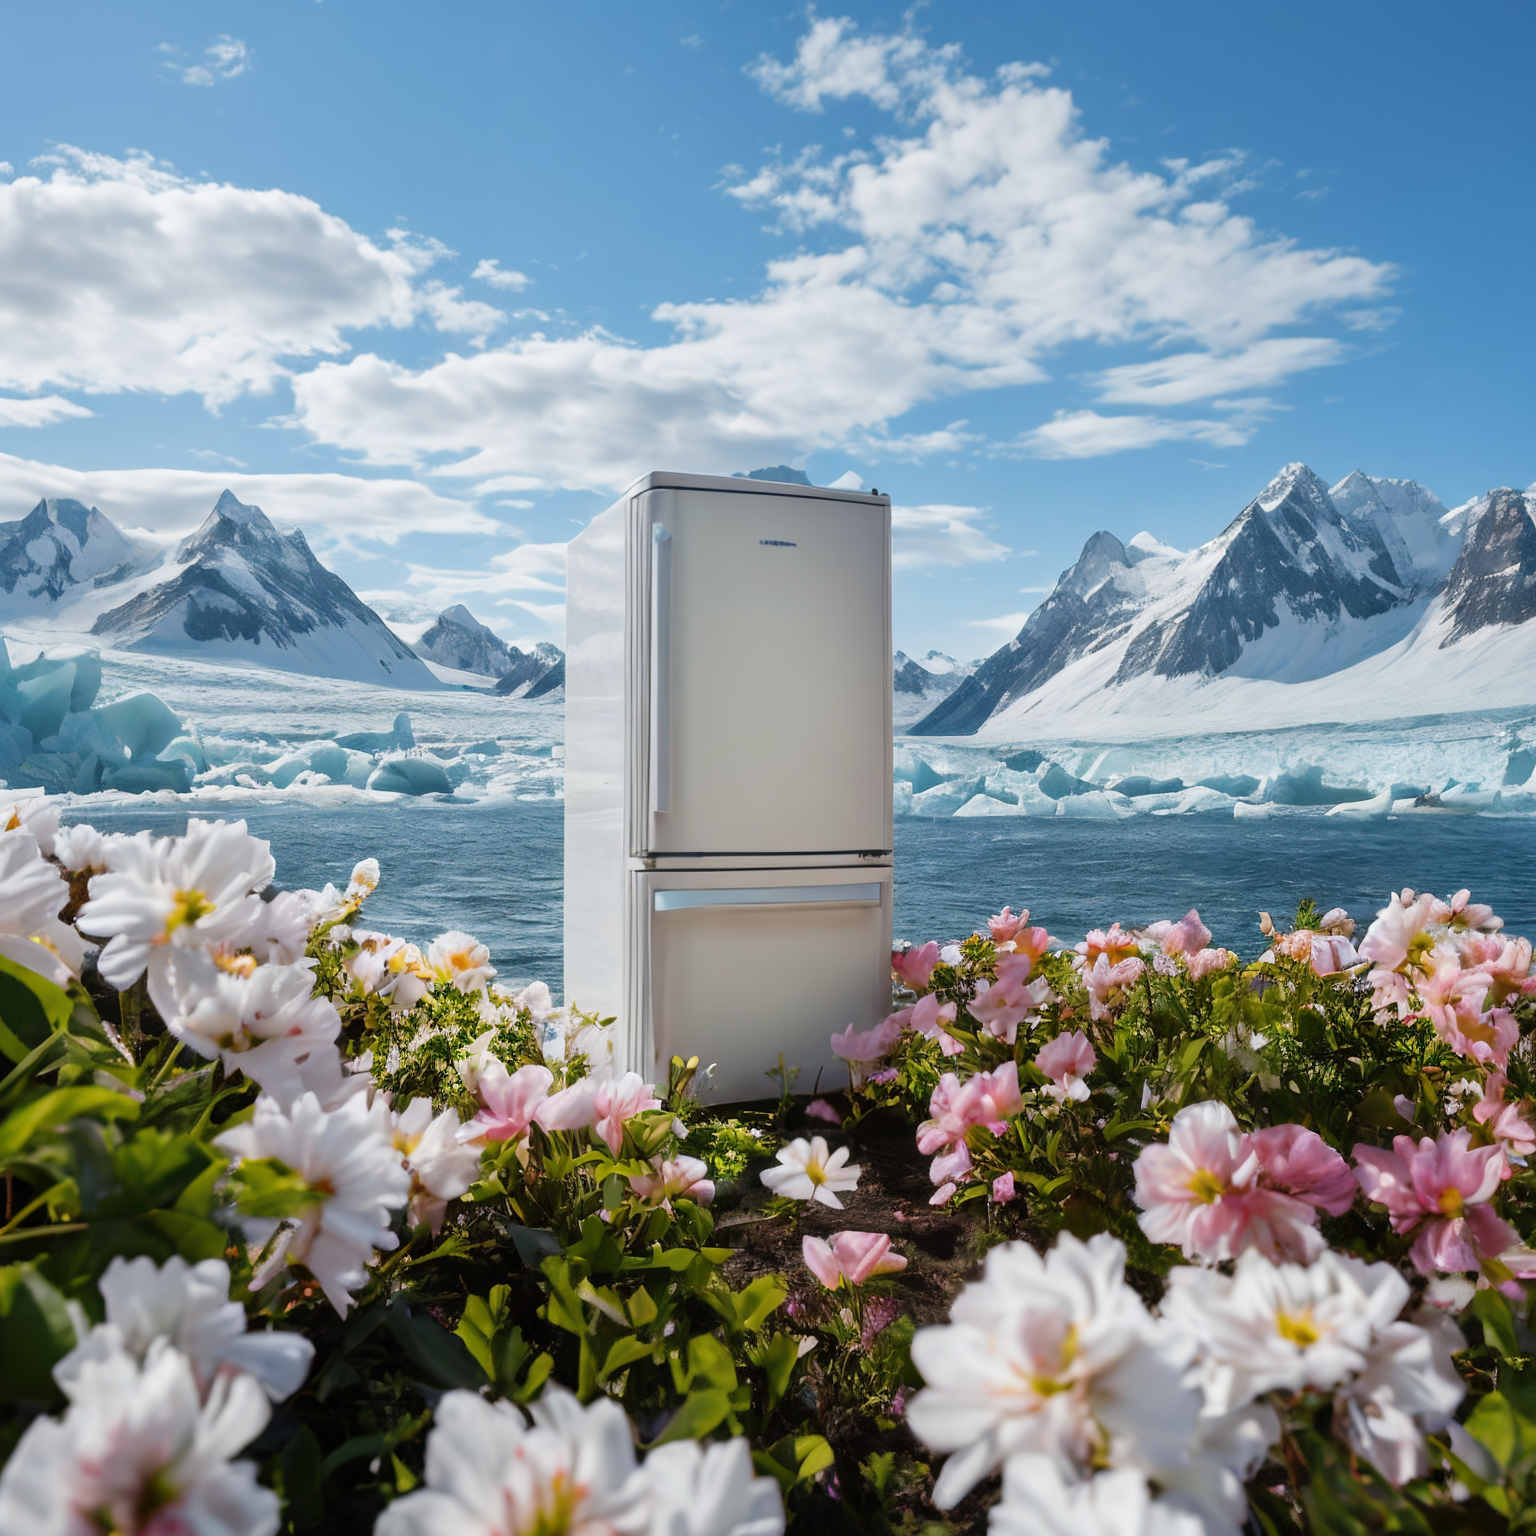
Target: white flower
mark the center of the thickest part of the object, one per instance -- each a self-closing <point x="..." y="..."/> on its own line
<point x="356" y="1179"/>
<point x="32" y="893"/>
<point x="139" y="1451"/>
<point x="189" y="1306"/>
<point x="1409" y="1386"/>
<point x="488" y="1473"/>
<point x="80" y="848"/>
<point x="1038" y="1501"/>
<point x="441" y="1167"/>
<point x="1055" y="1356"/>
<point x="262" y="1019"/>
<point x="1281" y="1327"/>
<point x="806" y="1172"/>
<point x="192" y="892"/>
<point x="30" y="810"/>
<point x="709" y="1490"/>
<point x="460" y="960"/>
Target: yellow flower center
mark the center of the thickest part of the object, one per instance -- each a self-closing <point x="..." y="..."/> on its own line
<point x="14" y="823"/>
<point x="1450" y="1202"/>
<point x="1298" y="1328"/>
<point x="815" y="1172"/>
<point x="235" y="965"/>
<point x="189" y="906"/>
<point x="1206" y="1187"/>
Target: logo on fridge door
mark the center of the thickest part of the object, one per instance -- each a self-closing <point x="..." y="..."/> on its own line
<point x="779" y="543"/>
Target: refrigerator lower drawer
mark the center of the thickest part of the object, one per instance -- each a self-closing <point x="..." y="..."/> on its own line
<point x="739" y="975"/>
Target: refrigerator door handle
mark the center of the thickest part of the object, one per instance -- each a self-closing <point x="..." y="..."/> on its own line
<point x="661" y="669"/>
<point x="867" y="894"/>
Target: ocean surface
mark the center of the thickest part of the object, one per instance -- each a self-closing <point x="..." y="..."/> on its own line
<point x="493" y="867"/>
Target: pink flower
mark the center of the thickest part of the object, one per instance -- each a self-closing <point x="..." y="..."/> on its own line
<point x="1009" y="930"/>
<point x="1002" y="1189"/>
<point x="1453" y="1003"/>
<point x="1462" y="912"/>
<point x="675" y="1178"/>
<point x="988" y="1098"/>
<point x="1204" y="961"/>
<point x="1326" y="953"/>
<point x="604" y="1107"/>
<point x="913" y="967"/>
<point x="510" y="1102"/>
<point x="1115" y="945"/>
<point x="889" y="1075"/>
<point x="1067" y="1060"/>
<point x="872" y="1044"/>
<point x="1508" y="972"/>
<point x="1400" y="930"/>
<point x="929" y="1015"/>
<point x="1107" y="982"/>
<point x="942" y="1196"/>
<point x="1299" y="1162"/>
<point x="1441" y="1188"/>
<point x="1202" y="1192"/>
<point x="1505" y="1119"/>
<point x="819" y="1109"/>
<point x="1188" y="936"/>
<point x="850" y="1257"/>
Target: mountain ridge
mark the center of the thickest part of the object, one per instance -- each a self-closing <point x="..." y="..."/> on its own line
<point x="1306" y="583"/>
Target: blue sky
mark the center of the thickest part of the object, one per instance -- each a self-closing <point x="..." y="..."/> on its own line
<point x="433" y="281"/>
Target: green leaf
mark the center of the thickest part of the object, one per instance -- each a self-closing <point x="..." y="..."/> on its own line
<point x="56" y="1108"/>
<point x="699" y="1413"/>
<point x="1492" y="1425"/>
<point x="1492" y="1310"/>
<point x="624" y="1353"/>
<point x="440" y="1359"/>
<point x="301" y="1479"/>
<point x="265" y="1187"/>
<point x="35" y="1333"/>
<point x="355" y="1449"/>
<point x="31" y="1009"/>
<point x="710" y="1361"/>
<point x="777" y="1360"/>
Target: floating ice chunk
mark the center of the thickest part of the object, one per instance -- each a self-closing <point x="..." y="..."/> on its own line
<point x="1138" y="784"/>
<point x="188" y="748"/>
<point x="901" y="799"/>
<point x="1058" y="783"/>
<point x="483" y="749"/>
<point x="909" y="768"/>
<point x="1026" y="761"/>
<point x="144" y="724"/>
<point x="986" y="805"/>
<point x="1304" y="786"/>
<point x="1246" y="810"/>
<point x="340" y="765"/>
<point x="944" y="799"/>
<point x="147" y="775"/>
<point x="1199" y="800"/>
<point x="1469" y="797"/>
<point x="1237" y="785"/>
<point x="1095" y="805"/>
<point x="1377" y="808"/>
<point x="410" y="776"/>
<point x="397" y="739"/>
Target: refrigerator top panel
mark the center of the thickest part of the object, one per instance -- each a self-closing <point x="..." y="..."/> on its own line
<point x="769" y="718"/>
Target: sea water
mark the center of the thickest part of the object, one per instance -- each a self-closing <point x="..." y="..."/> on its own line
<point x="494" y="868"/>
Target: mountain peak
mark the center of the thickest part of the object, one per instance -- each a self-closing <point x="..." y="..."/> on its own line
<point x="1494" y="578"/>
<point x="459" y="614"/>
<point x="1297" y="480"/>
<point x="230" y="506"/>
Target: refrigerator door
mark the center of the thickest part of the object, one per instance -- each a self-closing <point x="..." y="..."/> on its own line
<point x="741" y="966"/>
<point x="768" y="674"/>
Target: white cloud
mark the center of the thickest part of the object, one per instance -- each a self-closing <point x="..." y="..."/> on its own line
<point x="226" y="59"/>
<point x="940" y="535"/>
<point x="1087" y="435"/>
<point x="1188" y="376"/>
<point x="1008" y="624"/>
<point x="41" y="412"/>
<point x="124" y="275"/>
<point x="174" y="501"/>
<point x="958" y="257"/>
<point x="490" y="271"/>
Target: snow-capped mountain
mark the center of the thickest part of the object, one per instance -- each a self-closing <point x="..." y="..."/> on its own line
<point x="238" y="590"/>
<point x="1366" y="600"/>
<point x="535" y="674"/>
<point x="61" y="546"/>
<point x="457" y="639"/>
<point x="918" y="685"/>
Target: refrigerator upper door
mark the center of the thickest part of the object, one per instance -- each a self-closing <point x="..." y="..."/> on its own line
<point x="770" y="686"/>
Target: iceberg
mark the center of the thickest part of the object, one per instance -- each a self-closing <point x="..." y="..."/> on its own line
<point x="399" y="738"/>
<point x="410" y="776"/>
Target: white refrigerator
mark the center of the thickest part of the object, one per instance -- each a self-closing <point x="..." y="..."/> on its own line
<point x="728" y="776"/>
